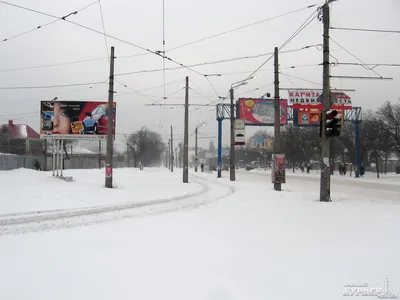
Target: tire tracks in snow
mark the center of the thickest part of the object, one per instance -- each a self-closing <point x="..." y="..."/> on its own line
<point x="39" y="221"/>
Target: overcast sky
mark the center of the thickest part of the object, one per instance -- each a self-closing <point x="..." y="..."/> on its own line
<point x="140" y="23"/>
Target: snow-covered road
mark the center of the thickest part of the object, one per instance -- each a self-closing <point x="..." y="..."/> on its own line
<point x="341" y="187"/>
<point x="228" y="241"/>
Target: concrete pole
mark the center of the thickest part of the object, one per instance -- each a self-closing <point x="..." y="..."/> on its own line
<point x="277" y="121"/>
<point x="110" y="121"/>
<point x="325" y="181"/>
<point x="186" y="135"/>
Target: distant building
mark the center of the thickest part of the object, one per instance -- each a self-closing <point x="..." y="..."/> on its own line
<point x="19" y="139"/>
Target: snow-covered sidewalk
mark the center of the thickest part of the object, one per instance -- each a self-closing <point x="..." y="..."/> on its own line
<point x="25" y="190"/>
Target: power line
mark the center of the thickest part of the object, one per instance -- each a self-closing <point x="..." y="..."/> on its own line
<point x="44" y="25"/>
<point x="104" y="29"/>
<point x="158" y="53"/>
<point x="366" y="29"/>
<point x="164" y="75"/>
<point x="54" y="65"/>
<point x="302" y="26"/>
<point x="135" y="91"/>
<point x="50" y="86"/>
<point x="306" y="80"/>
<point x="219" y="62"/>
<point x="363" y="64"/>
<point x="373" y="65"/>
<point x="226" y="32"/>
<point x="242" y="27"/>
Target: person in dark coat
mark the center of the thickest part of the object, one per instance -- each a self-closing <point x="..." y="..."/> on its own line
<point x="37" y="165"/>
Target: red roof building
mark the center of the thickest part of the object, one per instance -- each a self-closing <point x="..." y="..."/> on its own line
<point x="19" y="139"/>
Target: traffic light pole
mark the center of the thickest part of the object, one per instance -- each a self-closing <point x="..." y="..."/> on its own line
<point x="325" y="183"/>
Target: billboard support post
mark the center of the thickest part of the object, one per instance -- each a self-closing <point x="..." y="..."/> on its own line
<point x="54" y="157"/>
<point x="219" y="120"/>
<point x="110" y="120"/>
<point x="277" y="120"/>
<point x="186" y="136"/>
<point x="61" y="157"/>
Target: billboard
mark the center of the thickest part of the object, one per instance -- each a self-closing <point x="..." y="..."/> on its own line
<point x="261" y="112"/>
<point x="74" y="119"/>
<point x="311" y="117"/>
<point x="261" y="143"/>
<point x="313" y="99"/>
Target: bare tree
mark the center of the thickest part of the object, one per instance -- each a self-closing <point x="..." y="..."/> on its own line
<point x="147" y="146"/>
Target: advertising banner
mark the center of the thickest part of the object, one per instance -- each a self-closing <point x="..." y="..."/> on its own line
<point x="74" y="119"/>
<point x="311" y="117"/>
<point x="257" y="143"/>
<point x="239" y="132"/>
<point x="313" y="99"/>
<point x="278" y="169"/>
<point x="261" y="112"/>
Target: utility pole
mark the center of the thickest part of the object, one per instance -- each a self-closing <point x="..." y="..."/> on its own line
<point x="172" y="151"/>
<point x="186" y="135"/>
<point x="325" y="183"/>
<point x="232" y="154"/>
<point x="277" y="120"/>
<point x="109" y="156"/>
<point x="195" y="150"/>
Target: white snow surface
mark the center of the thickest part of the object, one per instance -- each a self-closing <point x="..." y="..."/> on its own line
<point x="227" y="241"/>
<point x="26" y="190"/>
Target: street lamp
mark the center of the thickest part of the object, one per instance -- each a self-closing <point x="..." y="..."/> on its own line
<point x="195" y="144"/>
<point x="232" y="154"/>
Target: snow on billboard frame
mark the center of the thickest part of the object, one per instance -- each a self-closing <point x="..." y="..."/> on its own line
<point x="75" y="120"/>
<point x="264" y="107"/>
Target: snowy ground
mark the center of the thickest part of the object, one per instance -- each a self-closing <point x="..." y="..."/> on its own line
<point x="29" y="190"/>
<point x="227" y="241"/>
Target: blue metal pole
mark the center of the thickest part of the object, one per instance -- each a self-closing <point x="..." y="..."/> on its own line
<point x="357" y="146"/>
<point x="219" y="147"/>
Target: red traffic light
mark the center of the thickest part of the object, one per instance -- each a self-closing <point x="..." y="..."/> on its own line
<point x="332" y="114"/>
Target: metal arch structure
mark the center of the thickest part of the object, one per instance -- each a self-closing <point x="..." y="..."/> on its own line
<point x="354" y="115"/>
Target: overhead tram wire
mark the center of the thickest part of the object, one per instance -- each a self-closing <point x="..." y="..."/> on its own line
<point x="133" y="90"/>
<point x="104" y="30"/>
<point x="157" y="53"/>
<point x="162" y="110"/>
<point x="302" y="26"/>
<point x="363" y="64"/>
<point x="365" y="30"/>
<point x="47" y="24"/>
<point x="50" y="86"/>
<point x="242" y="27"/>
<point x="218" y="62"/>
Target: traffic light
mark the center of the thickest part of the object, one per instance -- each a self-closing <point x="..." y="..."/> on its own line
<point x="333" y="124"/>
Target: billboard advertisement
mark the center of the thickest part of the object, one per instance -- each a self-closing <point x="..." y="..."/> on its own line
<point x="313" y="99"/>
<point x="261" y="112"/>
<point x="278" y="169"/>
<point x="74" y="119"/>
<point x="261" y="143"/>
<point x="311" y="117"/>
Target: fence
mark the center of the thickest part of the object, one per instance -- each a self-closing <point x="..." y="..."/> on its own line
<point x="11" y="161"/>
